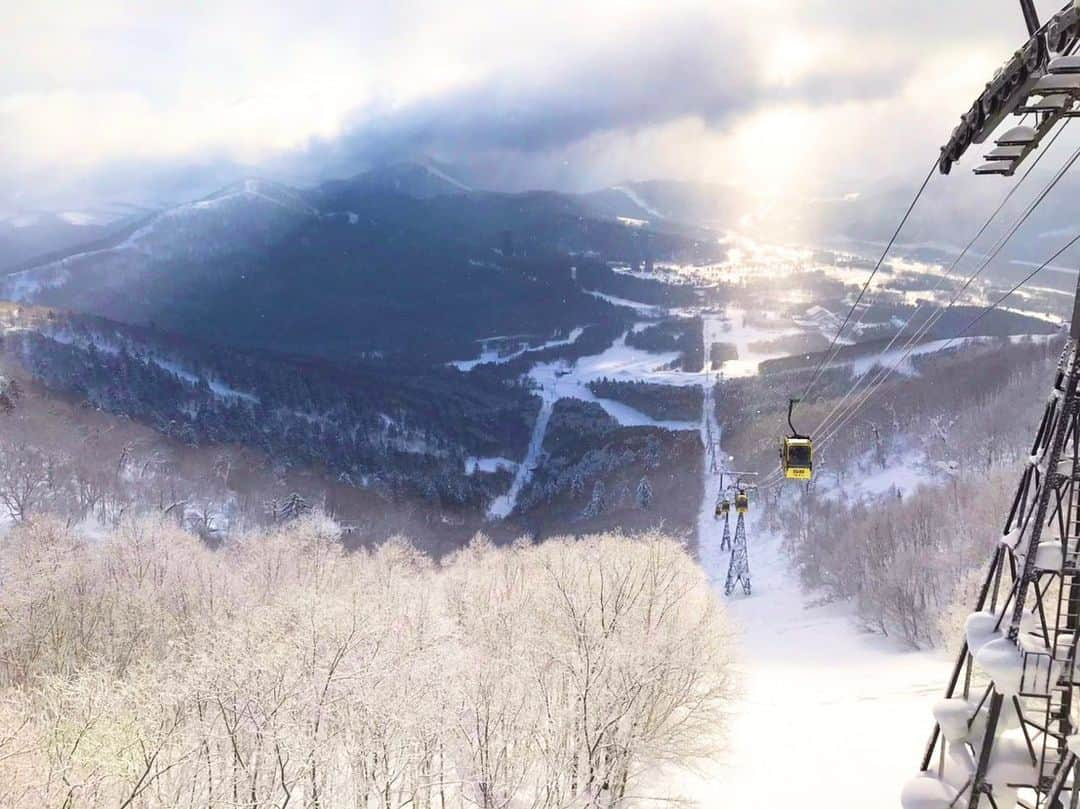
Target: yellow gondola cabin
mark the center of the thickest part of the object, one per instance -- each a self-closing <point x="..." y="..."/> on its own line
<point x="797" y="455"/>
<point x="796" y="451"/>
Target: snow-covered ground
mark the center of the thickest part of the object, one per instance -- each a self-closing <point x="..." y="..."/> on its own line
<point x="896" y="359"/>
<point x="504" y="504"/>
<point x="826" y="715"/>
<point x="645" y="309"/>
<point x="490" y="355"/>
<point x="907" y="469"/>
<point x="563" y="380"/>
<point x="636" y="198"/>
<point x="736" y="331"/>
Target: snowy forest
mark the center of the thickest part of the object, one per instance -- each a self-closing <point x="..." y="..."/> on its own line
<point x="141" y="668"/>
<point x="539" y="406"/>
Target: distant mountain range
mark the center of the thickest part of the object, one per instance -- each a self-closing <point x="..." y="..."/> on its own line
<point x="30" y="235"/>
<point x="403" y="261"/>
<point x="408" y="260"/>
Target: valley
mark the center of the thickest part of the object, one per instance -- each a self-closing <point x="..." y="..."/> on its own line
<point x="447" y="381"/>
<point x="527" y="365"/>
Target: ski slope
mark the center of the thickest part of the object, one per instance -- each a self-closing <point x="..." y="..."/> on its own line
<point x="825" y="715"/>
<point x="562" y="380"/>
<point x="735" y="330"/>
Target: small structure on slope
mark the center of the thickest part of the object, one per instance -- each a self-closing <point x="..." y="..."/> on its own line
<point x="738" y="571"/>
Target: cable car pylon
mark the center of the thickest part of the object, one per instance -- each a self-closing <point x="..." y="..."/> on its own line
<point x="739" y="566"/>
<point x="741" y="486"/>
<point x="723" y="509"/>
<point x="1004" y="734"/>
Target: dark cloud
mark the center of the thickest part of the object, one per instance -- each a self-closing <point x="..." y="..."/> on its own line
<point x="537" y="114"/>
<point x="694" y="71"/>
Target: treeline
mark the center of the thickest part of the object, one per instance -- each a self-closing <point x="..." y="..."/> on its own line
<point x="661" y="402"/>
<point x="144" y="670"/>
<point x="408" y="433"/>
<point x="593" y="470"/>
<point x="720" y="353"/>
<point x="900" y="558"/>
<point x="677" y="334"/>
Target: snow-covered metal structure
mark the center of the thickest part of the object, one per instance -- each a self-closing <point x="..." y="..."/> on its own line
<point x="1005" y="733"/>
<point x="1040" y="81"/>
<point x="738" y="571"/>
<point x="725" y="540"/>
<point x="735" y="489"/>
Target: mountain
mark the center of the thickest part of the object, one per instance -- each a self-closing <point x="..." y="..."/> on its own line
<point x="421" y="181"/>
<point x="693" y="203"/>
<point x="27" y="236"/>
<point x="351" y="268"/>
<point x="399" y="428"/>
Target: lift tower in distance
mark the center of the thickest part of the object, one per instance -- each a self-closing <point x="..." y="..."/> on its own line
<point x="738" y="491"/>
<point x="1005" y="732"/>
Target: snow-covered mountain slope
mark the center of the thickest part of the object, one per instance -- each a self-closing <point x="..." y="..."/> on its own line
<point x="840" y="712"/>
<point x="239" y="218"/>
<point x="26" y="236"/>
<point x="417" y="180"/>
<point x="354" y="267"/>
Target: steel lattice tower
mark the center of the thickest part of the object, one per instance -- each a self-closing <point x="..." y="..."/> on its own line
<point x="739" y="566"/>
<point x="1004" y="734"/>
<point x="725" y="540"/>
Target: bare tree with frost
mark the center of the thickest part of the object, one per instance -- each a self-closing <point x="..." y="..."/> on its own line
<point x="145" y="670"/>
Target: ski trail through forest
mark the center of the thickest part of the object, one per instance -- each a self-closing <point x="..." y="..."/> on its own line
<point x="502" y="505"/>
<point x="825" y="715"/>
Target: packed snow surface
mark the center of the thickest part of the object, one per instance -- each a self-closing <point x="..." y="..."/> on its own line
<point x="844" y="715"/>
<point x="736" y="331"/>
<point x="637" y="199"/>
<point x="490" y="354"/>
<point x="826" y="716"/>
<point x="442" y="175"/>
<point x="503" y="505"/>
<point x="646" y="309"/>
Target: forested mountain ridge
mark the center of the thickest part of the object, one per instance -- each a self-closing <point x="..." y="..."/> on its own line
<point x="370" y="423"/>
<point x="352" y="267"/>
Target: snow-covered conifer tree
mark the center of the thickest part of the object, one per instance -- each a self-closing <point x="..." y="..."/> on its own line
<point x="596" y="504"/>
<point x="643" y="496"/>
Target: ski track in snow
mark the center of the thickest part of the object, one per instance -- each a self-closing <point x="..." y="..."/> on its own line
<point x="502" y="505"/>
<point x="561" y="380"/>
<point x="646" y="309"/>
<point x="493" y="357"/>
<point x="442" y="175"/>
<point x="635" y="198"/>
<point x="825" y="715"/>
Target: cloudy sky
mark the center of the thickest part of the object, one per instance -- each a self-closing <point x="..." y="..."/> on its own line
<point x="151" y="98"/>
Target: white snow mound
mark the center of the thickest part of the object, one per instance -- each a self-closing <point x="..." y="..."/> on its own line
<point x="953" y="716"/>
<point x="1004" y="663"/>
<point x="980" y="628"/>
<point x="925" y="791"/>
